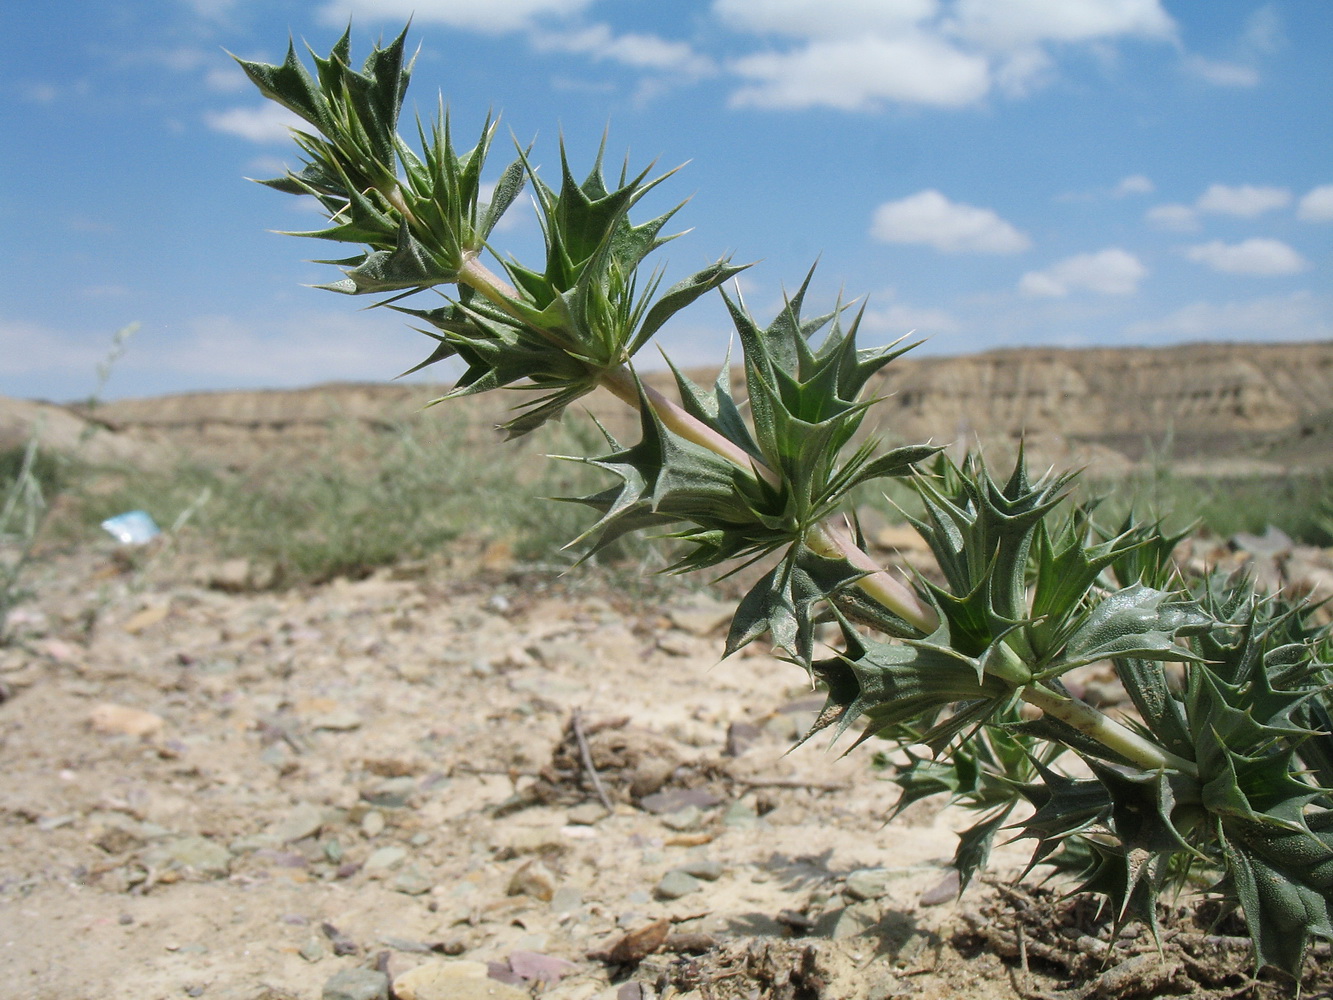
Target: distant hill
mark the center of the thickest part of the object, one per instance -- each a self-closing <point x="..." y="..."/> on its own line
<point x="1229" y="407"/>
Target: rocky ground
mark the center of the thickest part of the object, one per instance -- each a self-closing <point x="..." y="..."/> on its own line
<point x="475" y="781"/>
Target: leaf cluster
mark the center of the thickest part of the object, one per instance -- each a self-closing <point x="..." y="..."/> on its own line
<point x="1247" y="724"/>
<point x="1222" y="773"/>
<point x="807" y="404"/>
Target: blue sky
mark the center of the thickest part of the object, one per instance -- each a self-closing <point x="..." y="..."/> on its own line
<point x="985" y="173"/>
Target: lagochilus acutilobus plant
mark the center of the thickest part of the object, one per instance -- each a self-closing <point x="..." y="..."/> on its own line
<point x="1219" y="780"/>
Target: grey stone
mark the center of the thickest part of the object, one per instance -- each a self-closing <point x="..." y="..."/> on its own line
<point x="709" y="871"/>
<point x="313" y="950"/>
<point x="357" y="984"/>
<point x="944" y="891"/>
<point x="848" y="921"/>
<point x="870" y="883"/>
<point x="689" y="818"/>
<point x="197" y="854"/>
<point x="385" y="859"/>
<point x="566" y="899"/>
<point x="675" y="884"/>
<point x="303" y="821"/>
<point x="533" y="879"/>
<point x="740" y="814"/>
<point x="457" y="980"/>
<point x="391" y="793"/>
<point x="412" y="881"/>
<point x="372" y="824"/>
<point x="587" y="814"/>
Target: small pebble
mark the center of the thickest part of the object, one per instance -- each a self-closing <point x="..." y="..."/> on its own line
<point x="567" y="899"/>
<point x="339" y="720"/>
<point x="675" y="884"/>
<point x="412" y="881"/>
<point x="385" y="859"/>
<point x="196" y="854"/>
<point x="946" y="890"/>
<point x="456" y="980"/>
<point x="303" y="821"/>
<point x="313" y="950"/>
<point x="709" y="871"/>
<point x="533" y="879"/>
<point x="391" y="793"/>
<point x="357" y="984"/>
<point x="740" y="814"/>
<point x="372" y="824"/>
<point x="587" y="814"/>
<point x="122" y="720"/>
<point x="869" y="883"/>
<point x="689" y="818"/>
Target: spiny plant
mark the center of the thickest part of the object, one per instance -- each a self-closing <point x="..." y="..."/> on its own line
<point x="1220" y="780"/>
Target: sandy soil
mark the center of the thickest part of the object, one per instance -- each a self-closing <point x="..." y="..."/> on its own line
<point x="251" y="795"/>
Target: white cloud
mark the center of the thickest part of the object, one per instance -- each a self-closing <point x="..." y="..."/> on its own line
<point x="1317" y="205"/>
<point x="1221" y="74"/>
<point x="265" y="123"/>
<point x="226" y="79"/>
<point x="490" y="17"/>
<point x="858" y="74"/>
<point x="823" y="18"/>
<point x="1257" y="257"/>
<point x="639" y="51"/>
<point x="1108" y="272"/>
<point x="1298" y="316"/>
<point x="1263" y="36"/>
<point x="1263" y="31"/>
<point x="1018" y="23"/>
<point x="1246" y="200"/>
<point x="1177" y="218"/>
<point x="930" y="218"/>
<point x="1134" y="184"/>
<point x="858" y="54"/>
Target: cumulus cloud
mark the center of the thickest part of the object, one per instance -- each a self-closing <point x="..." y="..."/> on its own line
<point x="1134" y="184"/>
<point x="1262" y="36"/>
<point x="1317" y="205"/>
<point x="858" y="74"/>
<point x="1298" y="316"/>
<point x="1018" y="23"/>
<point x="1256" y="257"/>
<point x="1221" y="74"/>
<point x="265" y="123"/>
<point x="929" y="218"/>
<point x="1177" y="218"/>
<point x="825" y="19"/>
<point x="859" y="54"/>
<point x="636" y="50"/>
<point x="1108" y="272"/>
<point x="491" y="17"/>
<point x="1246" y="200"/>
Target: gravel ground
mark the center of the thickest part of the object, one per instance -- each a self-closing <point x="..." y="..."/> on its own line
<point x="240" y="795"/>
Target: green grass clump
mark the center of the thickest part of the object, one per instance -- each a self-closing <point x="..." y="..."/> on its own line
<point x="357" y="499"/>
<point x="1299" y="504"/>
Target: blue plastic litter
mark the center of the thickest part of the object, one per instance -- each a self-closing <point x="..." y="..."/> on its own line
<point x="134" y="527"/>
